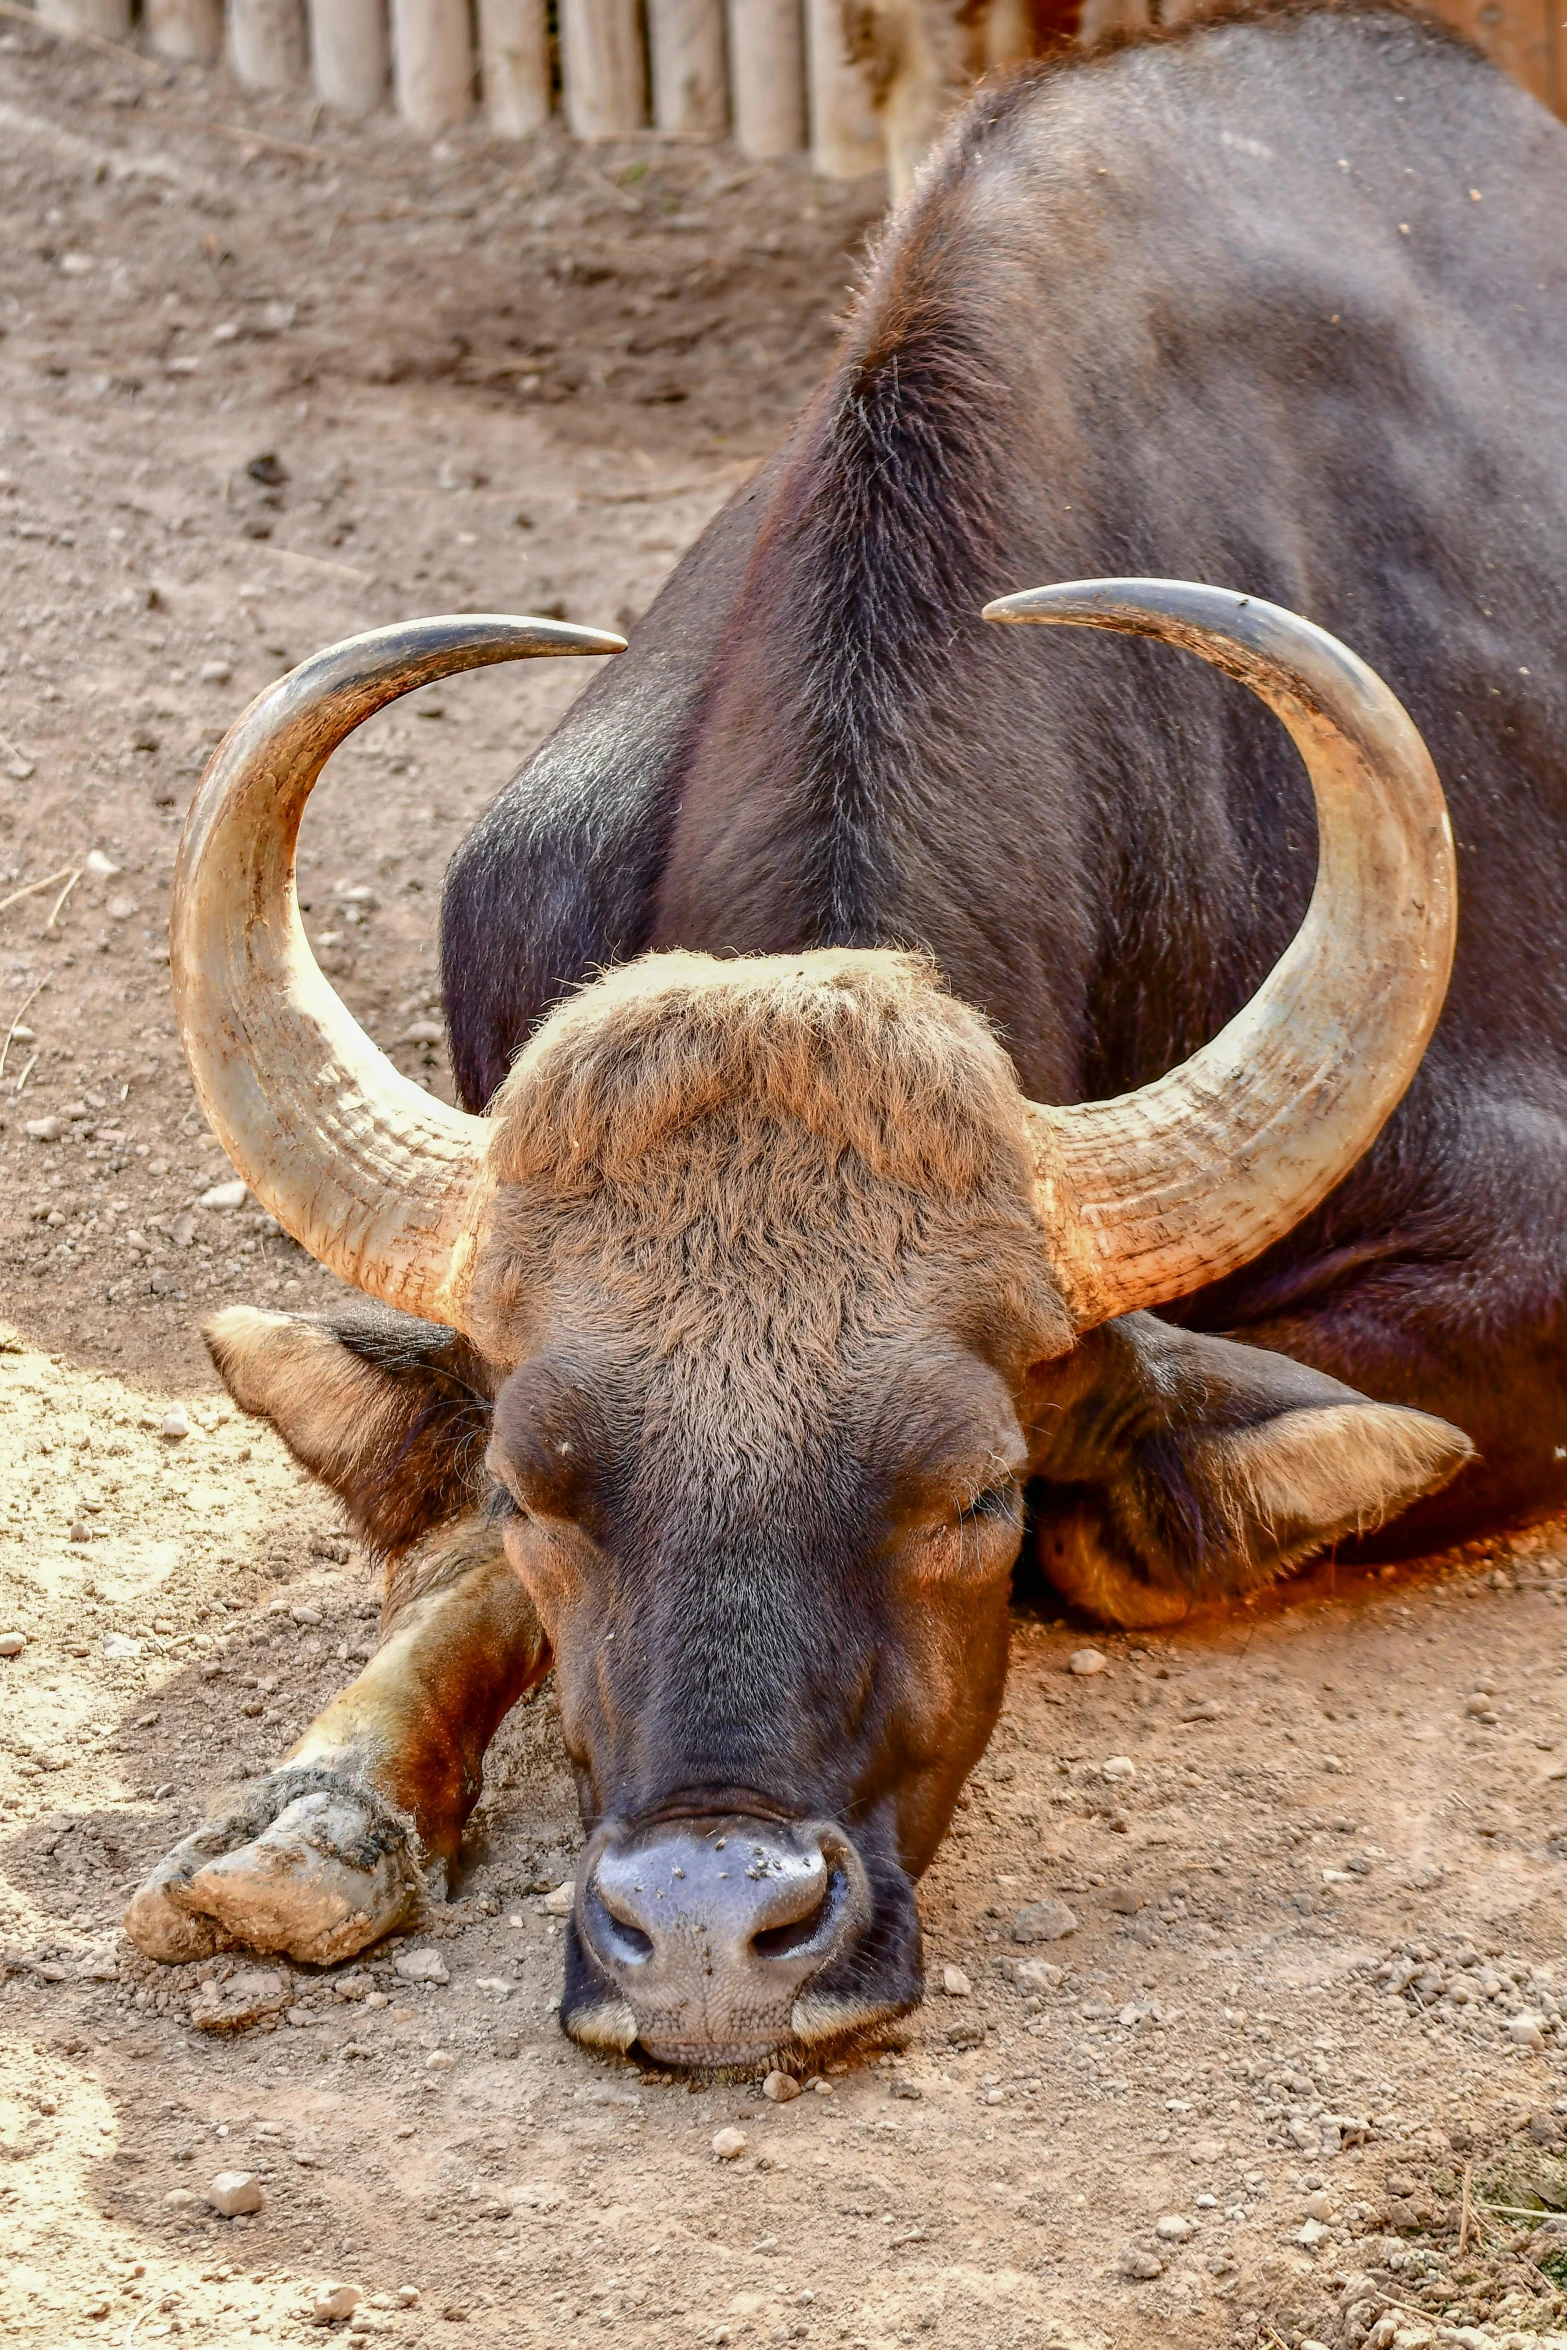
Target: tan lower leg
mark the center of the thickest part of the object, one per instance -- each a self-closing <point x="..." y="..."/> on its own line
<point x="417" y="1721"/>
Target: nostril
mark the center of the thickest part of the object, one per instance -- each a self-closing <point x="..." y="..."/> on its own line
<point x="632" y="1940"/>
<point x="616" y="1936"/>
<point x="799" y="1935"/>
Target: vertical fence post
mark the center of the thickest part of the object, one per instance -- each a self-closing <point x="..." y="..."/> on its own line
<point x="266" y="43"/>
<point x="190" y="31"/>
<point x="110" y="20"/>
<point x="349" y="53"/>
<point x="432" y="63"/>
<point x="767" y="76"/>
<point x="686" y="52"/>
<point x="601" y="63"/>
<point x="846" y="138"/>
<point x="1009" y="34"/>
<point x="1099" y="17"/>
<point x="515" y="57"/>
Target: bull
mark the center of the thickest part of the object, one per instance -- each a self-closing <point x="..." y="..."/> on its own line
<point x="908" y="1103"/>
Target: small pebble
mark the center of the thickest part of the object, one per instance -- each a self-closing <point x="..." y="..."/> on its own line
<point x="234" y="2191"/>
<point x="1140" y="2265"/>
<point x="440" y="2060"/>
<point x="335" y="2302"/>
<point x="780" y="2087"/>
<point x="1043" y="1921"/>
<point x="1084" y="1661"/>
<point x="955" y="1983"/>
<point x="1525" y="2031"/>
<point x="409" y="2296"/>
<point x="1319" y="2205"/>
<point x="12" y="1643"/>
<point x="729" y="2145"/>
<point x="1174" y="2228"/>
<point x="176" y="1422"/>
<point x="225" y="1195"/>
<point x="1311" y="2234"/>
<point x="558" y="1904"/>
<point x="1037" y="1974"/>
<point x="180" y="2199"/>
<point x="44" y="1129"/>
<point x="421" y="1966"/>
<point x="216" y="672"/>
<point x="1118" y="1768"/>
<point x="240" y="2002"/>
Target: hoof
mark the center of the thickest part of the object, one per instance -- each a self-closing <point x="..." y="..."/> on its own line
<point x="158" y="1923"/>
<point x="307" y="1866"/>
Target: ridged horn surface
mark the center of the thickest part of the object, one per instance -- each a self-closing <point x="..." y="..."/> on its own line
<point x="381" y="1182"/>
<point x="1156" y="1193"/>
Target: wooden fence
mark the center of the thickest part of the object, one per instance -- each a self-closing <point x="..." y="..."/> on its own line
<point x="775" y="72"/>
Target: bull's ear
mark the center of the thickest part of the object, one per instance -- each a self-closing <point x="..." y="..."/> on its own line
<point x="392" y="1413"/>
<point x="1179" y="1466"/>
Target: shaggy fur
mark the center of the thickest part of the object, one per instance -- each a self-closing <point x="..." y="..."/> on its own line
<point x="865" y="1052"/>
<point x="749" y="1156"/>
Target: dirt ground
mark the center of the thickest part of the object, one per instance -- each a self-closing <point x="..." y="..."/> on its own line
<point x="1295" y="2072"/>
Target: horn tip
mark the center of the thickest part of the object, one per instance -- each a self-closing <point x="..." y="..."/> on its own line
<point x="1065" y="599"/>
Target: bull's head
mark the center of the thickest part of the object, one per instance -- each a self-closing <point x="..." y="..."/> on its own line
<point x="782" y="1290"/>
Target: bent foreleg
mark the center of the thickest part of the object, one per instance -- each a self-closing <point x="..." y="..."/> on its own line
<point x="339" y="1844"/>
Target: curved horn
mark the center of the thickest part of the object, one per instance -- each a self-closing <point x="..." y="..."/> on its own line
<point x="1157" y="1193"/>
<point x="375" y="1177"/>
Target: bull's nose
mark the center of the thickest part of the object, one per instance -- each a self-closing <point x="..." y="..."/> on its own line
<point x="710" y="1928"/>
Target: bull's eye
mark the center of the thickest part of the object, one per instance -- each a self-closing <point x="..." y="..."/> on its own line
<point x="996" y="1503"/>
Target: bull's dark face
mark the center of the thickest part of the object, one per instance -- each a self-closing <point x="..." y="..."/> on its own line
<point x="764" y="1345"/>
<point x="780" y="1633"/>
<point x="765" y="1267"/>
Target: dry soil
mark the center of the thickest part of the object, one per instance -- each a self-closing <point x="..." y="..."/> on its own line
<point x="1297" y="2070"/>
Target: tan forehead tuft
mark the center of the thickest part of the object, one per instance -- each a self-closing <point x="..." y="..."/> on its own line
<point x="861" y="1047"/>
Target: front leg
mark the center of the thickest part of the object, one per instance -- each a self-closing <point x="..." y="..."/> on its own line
<point x="337" y="1845"/>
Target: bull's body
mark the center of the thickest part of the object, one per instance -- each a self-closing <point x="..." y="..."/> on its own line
<point x="769" y="1290"/>
<point x="1282" y="306"/>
